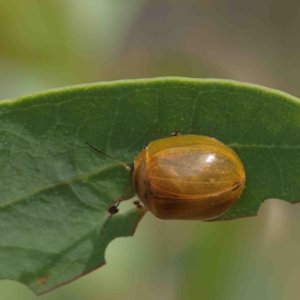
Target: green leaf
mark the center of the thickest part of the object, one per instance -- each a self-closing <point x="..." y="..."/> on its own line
<point x="56" y="191"/>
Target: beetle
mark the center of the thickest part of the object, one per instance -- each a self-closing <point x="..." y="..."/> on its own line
<point x="187" y="177"/>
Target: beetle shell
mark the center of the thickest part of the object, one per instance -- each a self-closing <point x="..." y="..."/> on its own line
<point x="188" y="177"/>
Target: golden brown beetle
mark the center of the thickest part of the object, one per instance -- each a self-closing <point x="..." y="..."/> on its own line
<point x="187" y="177"/>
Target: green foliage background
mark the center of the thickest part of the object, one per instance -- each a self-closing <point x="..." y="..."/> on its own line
<point x="46" y="44"/>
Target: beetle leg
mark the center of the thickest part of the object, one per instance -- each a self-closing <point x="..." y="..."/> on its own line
<point x="137" y="204"/>
<point x="113" y="210"/>
<point x="176" y="133"/>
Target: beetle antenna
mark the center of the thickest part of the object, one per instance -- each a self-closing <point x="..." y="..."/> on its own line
<point x="96" y="149"/>
<point x="113" y="210"/>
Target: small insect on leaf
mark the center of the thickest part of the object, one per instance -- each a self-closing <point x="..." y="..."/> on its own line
<point x="185" y="177"/>
<point x="112" y="210"/>
<point x="188" y="177"/>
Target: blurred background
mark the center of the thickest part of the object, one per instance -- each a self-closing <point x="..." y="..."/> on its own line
<point x="52" y="43"/>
